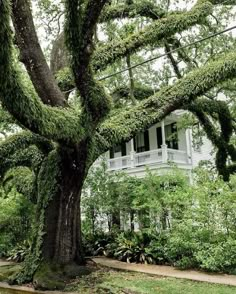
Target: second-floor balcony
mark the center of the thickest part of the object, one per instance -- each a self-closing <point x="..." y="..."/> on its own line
<point x="160" y="156"/>
<point x="155" y="148"/>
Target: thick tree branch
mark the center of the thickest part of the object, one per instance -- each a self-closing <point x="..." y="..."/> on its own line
<point x="52" y="123"/>
<point x="32" y="56"/>
<point x="95" y="102"/>
<point x="145" y="8"/>
<point x="203" y="108"/>
<point x="23" y="179"/>
<point x="124" y="126"/>
<point x="223" y="2"/>
<point x="30" y="157"/>
<point x="14" y="150"/>
<point x="92" y="13"/>
<point x="151" y="35"/>
<point x="22" y="102"/>
<point x="23" y="140"/>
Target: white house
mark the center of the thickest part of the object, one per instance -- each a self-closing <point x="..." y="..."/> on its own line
<point x="157" y="147"/>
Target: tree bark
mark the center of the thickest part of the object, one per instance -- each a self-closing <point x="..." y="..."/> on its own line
<point x="116" y="220"/>
<point x="132" y="212"/>
<point x="62" y="242"/>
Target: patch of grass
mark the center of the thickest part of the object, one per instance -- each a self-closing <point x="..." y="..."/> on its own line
<point x="118" y="282"/>
<point x="8" y="270"/>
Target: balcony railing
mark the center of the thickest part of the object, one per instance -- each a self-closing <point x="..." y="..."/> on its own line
<point x="119" y="163"/>
<point x="148" y="157"/>
<point x="177" y="156"/>
<point x="157" y="156"/>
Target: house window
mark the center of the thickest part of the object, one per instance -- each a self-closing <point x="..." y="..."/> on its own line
<point x="159" y="138"/>
<point x="141" y="142"/>
<point x="120" y="149"/>
<point x="171" y="136"/>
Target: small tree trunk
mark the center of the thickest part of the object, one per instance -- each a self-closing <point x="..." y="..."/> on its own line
<point x="132" y="220"/>
<point x="144" y="219"/>
<point x="116" y="220"/>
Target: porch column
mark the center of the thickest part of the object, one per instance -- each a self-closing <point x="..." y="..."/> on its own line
<point x="132" y="153"/>
<point x="188" y="146"/>
<point x="163" y="146"/>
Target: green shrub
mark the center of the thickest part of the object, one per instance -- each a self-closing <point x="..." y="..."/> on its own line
<point x="97" y="244"/>
<point x="16" y="213"/>
<point x="19" y="252"/>
<point x="188" y="226"/>
<point x="219" y="257"/>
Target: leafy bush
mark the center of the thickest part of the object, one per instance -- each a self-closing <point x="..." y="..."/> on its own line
<point x="16" y="213"/>
<point x="19" y="252"/>
<point x="133" y="248"/>
<point x="219" y="257"/>
<point x="97" y="244"/>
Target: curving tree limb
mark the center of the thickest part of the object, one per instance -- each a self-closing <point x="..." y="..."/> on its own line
<point x="32" y="55"/>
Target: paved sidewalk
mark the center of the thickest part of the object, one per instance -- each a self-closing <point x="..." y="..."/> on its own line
<point x="168" y="271"/>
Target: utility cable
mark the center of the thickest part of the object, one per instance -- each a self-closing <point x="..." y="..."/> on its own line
<point x="167" y="53"/>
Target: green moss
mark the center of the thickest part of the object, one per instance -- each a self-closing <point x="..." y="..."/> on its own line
<point x="48" y="277"/>
<point x="24" y="149"/>
<point x="144" y="8"/>
<point x="47" y="180"/>
<point x="23" y="180"/>
<point x="151" y="35"/>
<point x="21" y="100"/>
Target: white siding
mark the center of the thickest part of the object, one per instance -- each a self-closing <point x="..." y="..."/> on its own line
<point x="153" y="138"/>
<point x="204" y="153"/>
<point x="182" y="140"/>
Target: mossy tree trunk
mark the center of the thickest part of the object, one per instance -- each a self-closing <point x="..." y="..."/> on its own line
<point x="62" y="241"/>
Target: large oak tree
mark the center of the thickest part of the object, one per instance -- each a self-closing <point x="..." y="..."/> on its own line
<point x="67" y="140"/>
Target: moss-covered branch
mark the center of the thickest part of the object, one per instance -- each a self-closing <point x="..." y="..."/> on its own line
<point x="139" y="92"/>
<point x="125" y="125"/>
<point x="30" y="157"/>
<point x="79" y="30"/>
<point x="151" y="34"/>
<point x="223" y="2"/>
<point x="24" y="149"/>
<point x="208" y="112"/>
<point x="32" y="55"/>
<point x="144" y="8"/>
<point x="23" y="180"/>
<point x="22" y="103"/>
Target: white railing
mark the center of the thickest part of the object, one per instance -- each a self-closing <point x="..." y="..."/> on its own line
<point x="158" y="156"/>
<point x="119" y="163"/>
<point x="148" y="157"/>
<point x="177" y="156"/>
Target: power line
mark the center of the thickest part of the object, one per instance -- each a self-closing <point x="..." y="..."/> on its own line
<point x="167" y="53"/>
